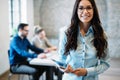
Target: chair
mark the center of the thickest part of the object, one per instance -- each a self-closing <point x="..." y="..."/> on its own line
<point x="18" y="73"/>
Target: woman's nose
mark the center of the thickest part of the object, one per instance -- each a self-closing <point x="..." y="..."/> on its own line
<point x="85" y="11"/>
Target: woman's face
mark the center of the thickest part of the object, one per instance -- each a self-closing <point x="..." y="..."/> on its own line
<point x="42" y="34"/>
<point x="85" y="11"/>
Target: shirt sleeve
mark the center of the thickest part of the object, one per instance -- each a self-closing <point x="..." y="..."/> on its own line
<point x="36" y="42"/>
<point x="21" y="52"/>
<point x="103" y="65"/>
<point x="48" y="44"/>
<point x="62" y="42"/>
<point x="35" y="49"/>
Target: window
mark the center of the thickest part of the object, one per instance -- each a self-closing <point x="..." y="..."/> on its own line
<point x="17" y="14"/>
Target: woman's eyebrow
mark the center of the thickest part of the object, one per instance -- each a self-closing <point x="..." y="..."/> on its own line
<point x="83" y="5"/>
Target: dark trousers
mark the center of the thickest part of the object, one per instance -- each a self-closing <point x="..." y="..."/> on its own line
<point x="58" y="73"/>
<point x="34" y="71"/>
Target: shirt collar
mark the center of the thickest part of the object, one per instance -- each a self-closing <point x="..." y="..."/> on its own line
<point x="90" y="30"/>
<point x="20" y="37"/>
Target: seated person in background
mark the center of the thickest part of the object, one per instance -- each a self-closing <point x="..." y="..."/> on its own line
<point x="19" y="47"/>
<point x="40" y="40"/>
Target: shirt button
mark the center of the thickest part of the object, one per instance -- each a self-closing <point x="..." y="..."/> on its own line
<point x="83" y="42"/>
<point x="75" y="64"/>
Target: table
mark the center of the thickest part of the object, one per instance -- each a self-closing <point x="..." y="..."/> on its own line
<point x="47" y="61"/>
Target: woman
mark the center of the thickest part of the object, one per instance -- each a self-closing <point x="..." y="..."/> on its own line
<point x="40" y="40"/>
<point x="83" y="45"/>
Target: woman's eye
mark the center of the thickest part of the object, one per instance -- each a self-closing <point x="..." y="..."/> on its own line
<point x="89" y="7"/>
<point x="81" y="8"/>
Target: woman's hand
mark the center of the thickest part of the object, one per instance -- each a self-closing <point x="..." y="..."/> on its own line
<point x="68" y="69"/>
<point x="47" y="50"/>
<point x="80" y="72"/>
<point x="42" y="55"/>
<point x="54" y="48"/>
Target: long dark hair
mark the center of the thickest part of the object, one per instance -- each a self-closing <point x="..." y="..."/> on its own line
<point x="99" y="40"/>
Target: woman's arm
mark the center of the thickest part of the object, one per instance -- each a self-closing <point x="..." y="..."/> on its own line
<point x="62" y="42"/>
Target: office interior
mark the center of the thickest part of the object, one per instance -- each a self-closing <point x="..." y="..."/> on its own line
<point x="52" y="15"/>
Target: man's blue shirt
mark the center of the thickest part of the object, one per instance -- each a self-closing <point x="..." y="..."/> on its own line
<point x="19" y="50"/>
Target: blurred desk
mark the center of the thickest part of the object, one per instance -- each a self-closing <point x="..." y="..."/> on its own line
<point x="47" y="61"/>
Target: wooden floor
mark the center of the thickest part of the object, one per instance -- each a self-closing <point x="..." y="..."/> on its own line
<point x="113" y="73"/>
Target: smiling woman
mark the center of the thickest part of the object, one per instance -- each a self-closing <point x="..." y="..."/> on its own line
<point x="85" y="11"/>
<point x="83" y="45"/>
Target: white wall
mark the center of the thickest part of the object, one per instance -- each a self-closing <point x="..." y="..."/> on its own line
<point x="4" y="36"/>
<point x="37" y="7"/>
<point x="4" y="31"/>
<point x="30" y="17"/>
<point x="54" y="14"/>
